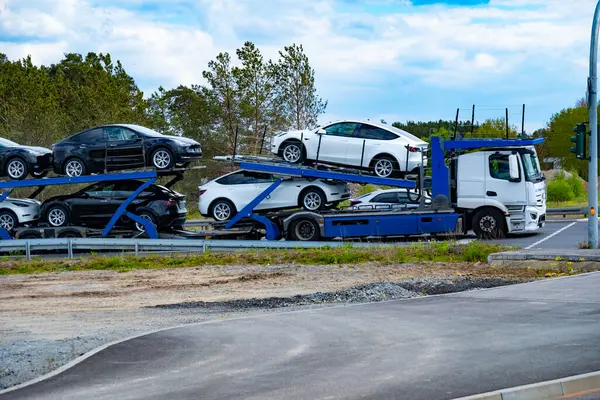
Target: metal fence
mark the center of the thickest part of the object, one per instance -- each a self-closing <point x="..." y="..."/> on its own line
<point x="568" y="211"/>
<point x="27" y="248"/>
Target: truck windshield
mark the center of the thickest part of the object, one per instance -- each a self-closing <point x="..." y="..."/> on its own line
<point x="532" y="167"/>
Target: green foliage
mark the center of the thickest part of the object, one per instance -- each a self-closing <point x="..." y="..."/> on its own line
<point x="366" y="189"/>
<point x="576" y="185"/>
<point x="558" y="189"/>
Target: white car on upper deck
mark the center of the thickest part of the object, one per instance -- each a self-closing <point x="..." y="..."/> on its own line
<point x="388" y="151"/>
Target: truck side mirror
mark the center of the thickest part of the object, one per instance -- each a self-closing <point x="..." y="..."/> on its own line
<point x="513" y="167"/>
<point x="321" y="131"/>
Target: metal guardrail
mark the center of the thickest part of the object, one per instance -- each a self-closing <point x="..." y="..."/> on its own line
<point x="568" y="211"/>
<point x="27" y="247"/>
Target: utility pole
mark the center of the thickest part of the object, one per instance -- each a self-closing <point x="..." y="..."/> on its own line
<point x="592" y="96"/>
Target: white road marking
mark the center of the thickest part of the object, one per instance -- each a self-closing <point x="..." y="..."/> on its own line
<point x="549" y="236"/>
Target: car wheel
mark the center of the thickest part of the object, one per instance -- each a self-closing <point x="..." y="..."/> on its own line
<point x="8" y="220"/>
<point x="74" y="167"/>
<point x="16" y="168"/>
<point x="292" y="152"/>
<point x="488" y="224"/>
<point x="313" y="199"/>
<point x="222" y="210"/>
<point x="146" y="216"/>
<point x="162" y="158"/>
<point x="304" y="229"/>
<point x="384" y="167"/>
<point x="39" y="174"/>
<point x="57" y="216"/>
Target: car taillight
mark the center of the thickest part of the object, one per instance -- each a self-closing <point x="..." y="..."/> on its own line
<point x="413" y="149"/>
<point x="201" y="192"/>
<point x="171" y="203"/>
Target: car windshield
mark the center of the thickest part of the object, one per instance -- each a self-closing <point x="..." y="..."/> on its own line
<point x="7" y="143"/>
<point x="532" y="167"/>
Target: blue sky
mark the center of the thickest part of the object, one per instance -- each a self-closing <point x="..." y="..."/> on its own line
<point x="390" y="59"/>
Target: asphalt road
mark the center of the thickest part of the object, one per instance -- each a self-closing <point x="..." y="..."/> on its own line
<point x="437" y="347"/>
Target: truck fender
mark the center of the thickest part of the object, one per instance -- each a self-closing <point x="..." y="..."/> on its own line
<point x="306" y="214"/>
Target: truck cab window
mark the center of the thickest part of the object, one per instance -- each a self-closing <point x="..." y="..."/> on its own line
<point x="499" y="168"/>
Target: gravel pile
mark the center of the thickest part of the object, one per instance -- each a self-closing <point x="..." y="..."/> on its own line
<point x="371" y="292"/>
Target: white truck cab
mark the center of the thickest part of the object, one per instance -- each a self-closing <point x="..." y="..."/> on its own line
<point x="499" y="191"/>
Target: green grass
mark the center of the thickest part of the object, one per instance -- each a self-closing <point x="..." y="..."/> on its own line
<point x="580" y="201"/>
<point x="432" y="252"/>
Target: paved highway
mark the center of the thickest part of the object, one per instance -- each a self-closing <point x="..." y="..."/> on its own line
<point x="437" y="347"/>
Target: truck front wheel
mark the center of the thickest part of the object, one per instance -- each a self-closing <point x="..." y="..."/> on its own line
<point x="489" y="224"/>
<point x="304" y="229"/>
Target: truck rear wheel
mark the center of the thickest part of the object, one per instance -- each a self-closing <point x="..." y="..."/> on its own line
<point x="489" y="224"/>
<point x="305" y="230"/>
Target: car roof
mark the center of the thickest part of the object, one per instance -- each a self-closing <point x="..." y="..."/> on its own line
<point x="387" y="127"/>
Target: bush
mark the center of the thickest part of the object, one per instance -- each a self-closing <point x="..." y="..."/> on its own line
<point x="560" y="190"/>
<point x="576" y="185"/>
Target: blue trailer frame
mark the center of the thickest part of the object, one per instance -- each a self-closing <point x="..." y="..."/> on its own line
<point x="149" y="176"/>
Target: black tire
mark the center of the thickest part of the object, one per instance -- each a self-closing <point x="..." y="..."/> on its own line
<point x="162" y="158"/>
<point x="70" y="234"/>
<point x="30" y="236"/>
<point x="145" y="215"/>
<point x="8" y="220"/>
<point x="74" y="167"/>
<point x="219" y="210"/>
<point x="385" y="167"/>
<point x="304" y="229"/>
<point x="312" y="199"/>
<point x="17" y="168"/>
<point x="292" y="152"/>
<point x="53" y="216"/>
<point x="39" y="175"/>
<point x="489" y="224"/>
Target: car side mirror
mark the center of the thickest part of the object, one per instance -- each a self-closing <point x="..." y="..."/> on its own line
<point x="513" y="168"/>
<point x="321" y="131"/>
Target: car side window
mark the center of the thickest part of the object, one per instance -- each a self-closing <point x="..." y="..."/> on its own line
<point x="345" y="129"/>
<point x="91" y="136"/>
<point x="117" y="133"/>
<point x="385" y="198"/>
<point x="499" y="168"/>
<point x="101" y="190"/>
<point x="372" y="132"/>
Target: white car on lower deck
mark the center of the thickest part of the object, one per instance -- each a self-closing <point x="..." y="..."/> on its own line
<point x="367" y="145"/>
<point x="16" y="212"/>
<point x="224" y="197"/>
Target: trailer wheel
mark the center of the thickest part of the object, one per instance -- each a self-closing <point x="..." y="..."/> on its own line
<point x="70" y="233"/>
<point x="489" y="224"/>
<point x="304" y="229"/>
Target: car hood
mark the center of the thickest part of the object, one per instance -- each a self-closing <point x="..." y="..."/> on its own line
<point x="182" y="139"/>
<point x="35" y="149"/>
<point x="306" y="133"/>
<point x="26" y="201"/>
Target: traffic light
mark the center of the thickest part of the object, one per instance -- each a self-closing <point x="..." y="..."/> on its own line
<point x="579" y="139"/>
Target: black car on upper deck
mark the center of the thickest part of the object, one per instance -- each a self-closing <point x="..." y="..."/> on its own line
<point x="122" y="146"/>
<point x="17" y="160"/>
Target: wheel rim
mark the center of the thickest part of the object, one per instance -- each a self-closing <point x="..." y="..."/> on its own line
<point x="222" y="211"/>
<point x="312" y="201"/>
<point x="305" y="230"/>
<point x="291" y="153"/>
<point x="487" y="224"/>
<point x="161" y="159"/>
<point x="384" y="167"/>
<point x="74" y="168"/>
<point x="16" y="169"/>
<point x="7" y="222"/>
<point x="141" y="227"/>
<point x="57" y="217"/>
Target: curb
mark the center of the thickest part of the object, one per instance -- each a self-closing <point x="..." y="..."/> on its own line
<point x="545" y="255"/>
<point x="544" y="390"/>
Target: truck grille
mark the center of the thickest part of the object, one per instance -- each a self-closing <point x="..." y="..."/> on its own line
<point x="539" y="199"/>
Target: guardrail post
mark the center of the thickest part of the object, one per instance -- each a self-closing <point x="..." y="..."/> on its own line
<point x="69" y="248"/>
<point x="28" y="250"/>
<point x="204" y="247"/>
<point x="137" y="249"/>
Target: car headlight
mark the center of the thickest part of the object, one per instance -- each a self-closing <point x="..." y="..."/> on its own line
<point x="21" y="204"/>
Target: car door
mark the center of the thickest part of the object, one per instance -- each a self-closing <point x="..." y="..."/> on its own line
<point x="93" y="205"/>
<point x="498" y="185"/>
<point x="334" y="142"/>
<point x="241" y="188"/>
<point x="124" y="148"/>
<point x="376" y="141"/>
<point x="92" y="146"/>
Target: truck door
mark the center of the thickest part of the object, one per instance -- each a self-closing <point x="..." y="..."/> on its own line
<point x="498" y="185"/>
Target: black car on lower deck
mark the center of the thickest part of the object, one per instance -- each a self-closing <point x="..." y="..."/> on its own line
<point x="95" y="205"/>
<point x="17" y="161"/>
<point x="122" y="146"/>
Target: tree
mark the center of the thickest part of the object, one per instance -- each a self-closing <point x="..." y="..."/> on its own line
<point x="557" y="135"/>
<point x="495" y="128"/>
<point x="297" y="98"/>
<point x="223" y="96"/>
